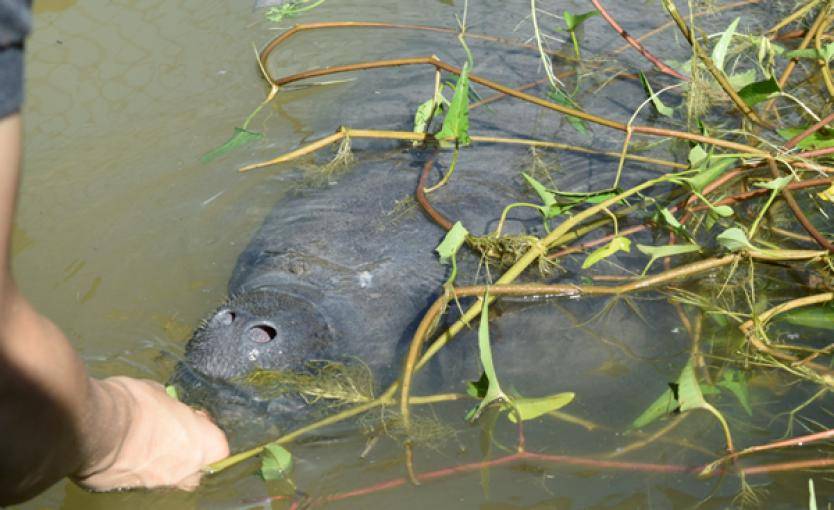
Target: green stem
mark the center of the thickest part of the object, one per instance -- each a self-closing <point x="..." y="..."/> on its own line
<point x="448" y="174"/>
<point x="755" y="225"/>
<point x="507" y="210"/>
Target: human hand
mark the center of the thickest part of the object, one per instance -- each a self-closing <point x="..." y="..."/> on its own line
<point x="164" y="442"/>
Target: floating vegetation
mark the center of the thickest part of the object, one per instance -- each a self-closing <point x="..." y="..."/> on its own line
<point x="335" y="382"/>
<point x="744" y="220"/>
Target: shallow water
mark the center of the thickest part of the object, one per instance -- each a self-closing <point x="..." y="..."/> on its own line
<point x="125" y="239"/>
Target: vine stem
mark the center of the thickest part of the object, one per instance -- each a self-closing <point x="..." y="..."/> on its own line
<point x="797" y="211"/>
<point x="752" y="327"/>
<point x="636" y="44"/>
<point x="346" y="132"/>
<point x="595" y="119"/>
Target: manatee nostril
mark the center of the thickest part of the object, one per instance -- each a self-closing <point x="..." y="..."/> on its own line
<point x="261" y="333"/>
<point x="225" y="317"/>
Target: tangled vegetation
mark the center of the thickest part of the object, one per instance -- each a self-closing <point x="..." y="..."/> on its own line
<point x="750" y="203"/>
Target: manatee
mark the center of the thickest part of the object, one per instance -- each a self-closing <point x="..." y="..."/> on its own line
<point x="340" y="273"/>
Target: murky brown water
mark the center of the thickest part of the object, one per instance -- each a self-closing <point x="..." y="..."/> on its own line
<point x="125" y="239"/>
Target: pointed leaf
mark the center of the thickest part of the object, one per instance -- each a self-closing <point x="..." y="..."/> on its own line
<point x="734" y="239"/>
<point x="817" y="317"/>
<point x="759" y="91"/>
<point x="664" y="405"/>
<point x="558" y="96"/>
<point x="719" y="52"/>
<point x="616" y="244"/>
<point x="573" y="21"/>
<point x="670" y="250"/>
<point x="711" y="172"/>
<point x="655" y="99"/>
<point x="547" y="198"/>
<point x="734" y="381"/>
<point x="494" y="392"/>
<point x="532" y="408"/>
<point x="240" y="138"/>
<point x="689" y="391"/>
<point x="455" y="128"/>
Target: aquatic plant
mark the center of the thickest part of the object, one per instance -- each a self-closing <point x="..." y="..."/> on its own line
<point x="739" y="211"/>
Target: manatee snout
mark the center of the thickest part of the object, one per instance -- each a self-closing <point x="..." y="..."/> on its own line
<point x="262" y="331"/>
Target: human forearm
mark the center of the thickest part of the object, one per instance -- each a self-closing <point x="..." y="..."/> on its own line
<point x="56" y="421"/>
<point x="49" y="408"/>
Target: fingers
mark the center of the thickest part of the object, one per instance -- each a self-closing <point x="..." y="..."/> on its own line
<point x="166" y="444"/>
<point x="216" y="446"/>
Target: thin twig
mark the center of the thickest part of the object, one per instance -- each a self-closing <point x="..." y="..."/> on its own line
<point x="662" y="67"/>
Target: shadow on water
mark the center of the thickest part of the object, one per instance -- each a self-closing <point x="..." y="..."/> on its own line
<point x="126" y="240"/>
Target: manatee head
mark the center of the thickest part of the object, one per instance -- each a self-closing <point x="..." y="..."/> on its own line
<point x="260" y="331"/>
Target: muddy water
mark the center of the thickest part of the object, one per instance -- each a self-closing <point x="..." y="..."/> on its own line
<point x="125" y="239"/>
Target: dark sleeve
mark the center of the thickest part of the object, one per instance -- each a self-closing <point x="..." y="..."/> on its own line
<point x="15" y="20"/>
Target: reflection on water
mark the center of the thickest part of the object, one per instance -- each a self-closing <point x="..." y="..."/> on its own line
<point x="125" y="239"/>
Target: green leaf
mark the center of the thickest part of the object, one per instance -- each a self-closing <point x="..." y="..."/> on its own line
<point x="709" y="389"/>
<point x="616" y="244"/>
<point x="558" y="96"/>
<point x="598" y="198"/>
<point x="825" y="55"/>
<point x="689" y="391"/>
<point x="820" y="139"/>
<point x="827" y="194"/>
<point x="725" y="211"/>
<point x="683" y="395"/>
<point x="452" y="242"/>
<point x="658" y="104"/>
<point x="711" y="172"/>
<point x="663" y="405"/>
<point x="424" y="113"/>
<point x="478" y="389"/>
<point x="455" y="128"/>
<point x="276" y="462"/>
<point x="532" y="408"/>
<point x="670" y="219"/>
<point x="734" y="381"/>
<point x="719" y="52"/>
<point x="171" y="390"/>
<point x="759" y="91"/>
<point x="573" y="21"/>
<point x="659" y="252"/>
<point x="776" y="184"/>
<point x="817" y="317"/>
<point x="547" y="198"/>
<point x="240" y="138"/>
<point x="734" y="239"/>
<point x="697" y="156"/>
<point x="493" y="392"/>
<point x="740" y="80"/>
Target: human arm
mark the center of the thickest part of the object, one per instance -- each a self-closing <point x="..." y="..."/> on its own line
<point x="55" y="420"/>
